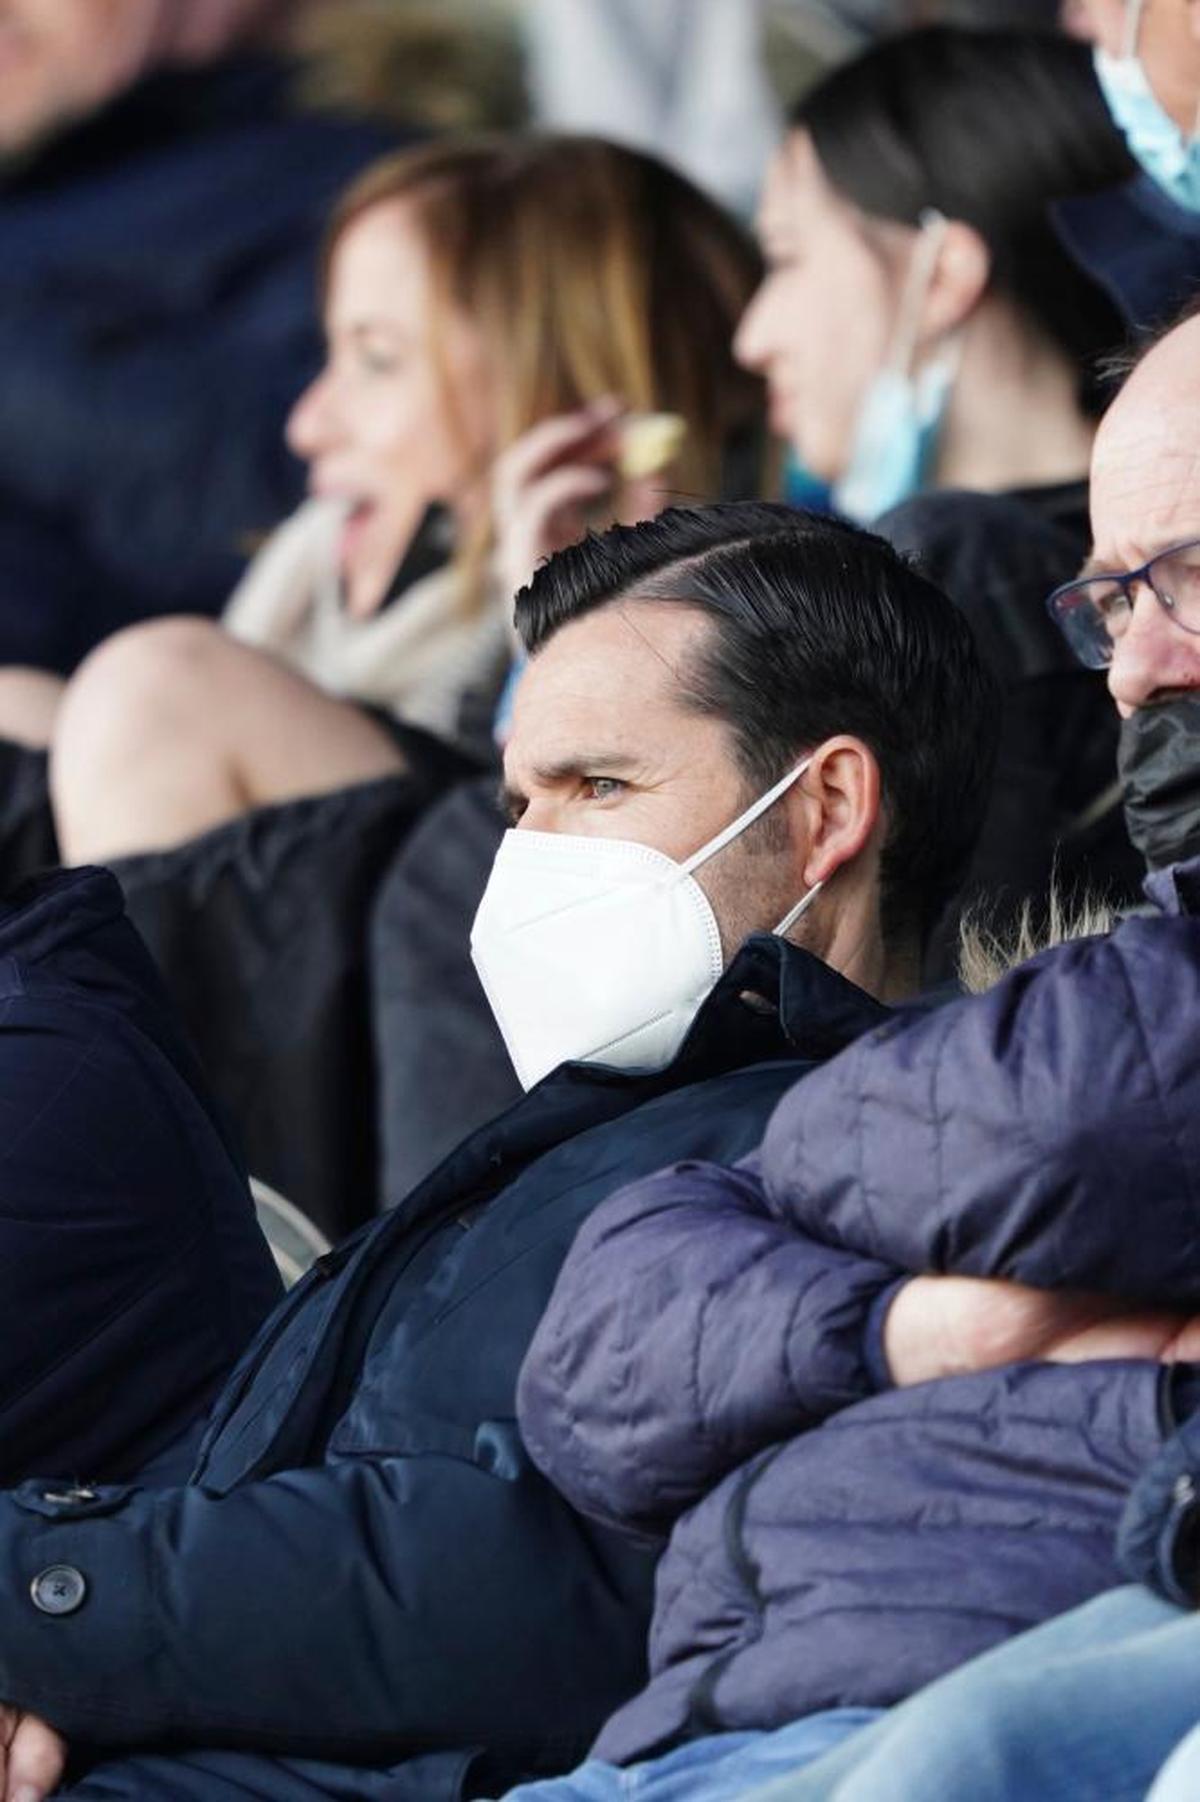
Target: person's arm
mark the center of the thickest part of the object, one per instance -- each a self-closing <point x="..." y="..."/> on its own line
<point x="945" y="1326"/>
<point x="1047" y="1132"/>
<point x="351" y="1611"/>
<point x="689" y="1329"/>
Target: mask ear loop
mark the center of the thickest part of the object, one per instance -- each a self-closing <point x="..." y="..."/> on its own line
<point x="802" y="906"/>
<point x="738" y="826"/>
<point x="902" y="352"/>
<point x="1133" y="31"/>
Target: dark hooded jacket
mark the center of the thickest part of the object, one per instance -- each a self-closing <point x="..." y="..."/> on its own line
<point x="710" y="1365"/>
<point x="132" y="1271"/>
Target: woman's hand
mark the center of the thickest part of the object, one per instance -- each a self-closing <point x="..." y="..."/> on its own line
<point x="546" y="487"/>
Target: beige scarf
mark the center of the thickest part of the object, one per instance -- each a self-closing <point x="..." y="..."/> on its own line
<point x="418" y="658"/>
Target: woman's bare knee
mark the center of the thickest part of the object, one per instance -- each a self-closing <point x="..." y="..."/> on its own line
<point x="150" y="662"/>
<point x="141" y="716"/>
<point x="143" y="682"/>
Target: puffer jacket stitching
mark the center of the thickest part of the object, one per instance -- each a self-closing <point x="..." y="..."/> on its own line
<point x="948" y="1415"/>
<point x="703" y="1713"/>
<point x="561" y="1418"/>
<point x="1038" y="1155"/>
<point x="709" y="1421"/>
<point x="687" y="1572"/>
<point x="1146" y="1038"/>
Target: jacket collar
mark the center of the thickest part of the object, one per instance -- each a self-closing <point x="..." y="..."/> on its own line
<point x="1175" y="890"/>
<point x="50" y="912"/>
<point x="773" y="1002"/>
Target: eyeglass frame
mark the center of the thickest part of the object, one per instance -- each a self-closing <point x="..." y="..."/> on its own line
<point x="1127" y="581"/>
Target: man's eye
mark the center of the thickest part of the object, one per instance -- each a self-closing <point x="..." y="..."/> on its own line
<point x="1111" y="603"/>
<point x="602" y="788"/>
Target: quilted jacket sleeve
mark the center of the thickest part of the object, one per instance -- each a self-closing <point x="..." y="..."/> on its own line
<point x="1037" y="1132"/>
<point x="688" y="1330"/>
<point x="324" y="1612"/>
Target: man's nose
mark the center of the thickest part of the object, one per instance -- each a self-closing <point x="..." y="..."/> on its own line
<point x="1152" y="653"/>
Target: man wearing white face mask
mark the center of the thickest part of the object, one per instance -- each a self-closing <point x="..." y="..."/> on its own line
<point x="363" y="1497"/>
<point x="695" y="757"/>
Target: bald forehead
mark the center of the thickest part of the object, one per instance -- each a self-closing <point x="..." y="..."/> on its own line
<point x="1145" y="487"/>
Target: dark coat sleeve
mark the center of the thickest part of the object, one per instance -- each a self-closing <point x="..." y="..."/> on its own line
<point x="688" y="1330"/>
<point x="323" y="1612"/>
<point x="1036" y="1132"/>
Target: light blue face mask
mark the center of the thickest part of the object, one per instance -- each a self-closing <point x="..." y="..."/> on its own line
<point x="801" y="488"/>
<point x="900" y="418"/>
<point x="1169" y="156"/>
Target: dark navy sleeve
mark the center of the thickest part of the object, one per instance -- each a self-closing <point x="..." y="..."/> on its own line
<point x="688" y="1330"/>
<point x="325" y="1612"/>
<point x="1048" y="1131"/>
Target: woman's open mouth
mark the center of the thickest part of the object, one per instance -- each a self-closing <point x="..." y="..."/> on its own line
<point x="355" y="525"/>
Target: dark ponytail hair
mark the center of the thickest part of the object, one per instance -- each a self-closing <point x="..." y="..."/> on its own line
<point x="990" y="127"/>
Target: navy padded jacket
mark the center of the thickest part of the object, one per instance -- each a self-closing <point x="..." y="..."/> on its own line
<point x="709" y="1366"/>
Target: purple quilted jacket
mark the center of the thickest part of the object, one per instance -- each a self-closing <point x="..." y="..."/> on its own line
<point x="710" y="1371"/>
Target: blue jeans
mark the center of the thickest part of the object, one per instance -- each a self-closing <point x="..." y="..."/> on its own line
<point x="1084" y="1709"/>
<point x="720" y="1769"/>
<point x="1179" y="1779"/>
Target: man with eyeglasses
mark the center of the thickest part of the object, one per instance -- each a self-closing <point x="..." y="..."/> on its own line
<point x="1102" y="1704"/>
<point x="1134" y="610"/>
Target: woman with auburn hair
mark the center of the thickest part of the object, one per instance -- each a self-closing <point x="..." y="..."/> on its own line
<point x="472" y="289"/>
<point x="254" y="779"/>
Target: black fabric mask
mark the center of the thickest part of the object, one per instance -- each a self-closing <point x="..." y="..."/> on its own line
<point x="1159" y="762"/>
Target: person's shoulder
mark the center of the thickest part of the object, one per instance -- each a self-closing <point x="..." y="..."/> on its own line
<point x="999" y="556"/>
<point x="1016" y="527"/>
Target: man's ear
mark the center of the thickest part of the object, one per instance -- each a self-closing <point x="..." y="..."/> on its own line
<point x="840" y="795"/>
<point x="958" y="284"/>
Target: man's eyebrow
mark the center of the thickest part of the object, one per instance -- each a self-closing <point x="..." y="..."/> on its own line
<point x="566" y="769"/>
<point x="585" y="763"/>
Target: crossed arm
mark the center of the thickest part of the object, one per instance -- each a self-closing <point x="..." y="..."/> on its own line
<point x="1011" y="1178"/>
<point x="940" y="1326"/>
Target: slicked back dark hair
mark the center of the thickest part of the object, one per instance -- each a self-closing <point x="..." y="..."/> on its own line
<point x="993" y="128"/>
<point x="818" y="629"/>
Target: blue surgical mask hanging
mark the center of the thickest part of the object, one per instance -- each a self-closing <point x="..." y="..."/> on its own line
<point x="899" y="421"/>
<point x="801" y="488"/>
<point x="1169" y="156"/>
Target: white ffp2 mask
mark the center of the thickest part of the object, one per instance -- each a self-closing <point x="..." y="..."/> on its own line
<point x="601" y="950"/>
